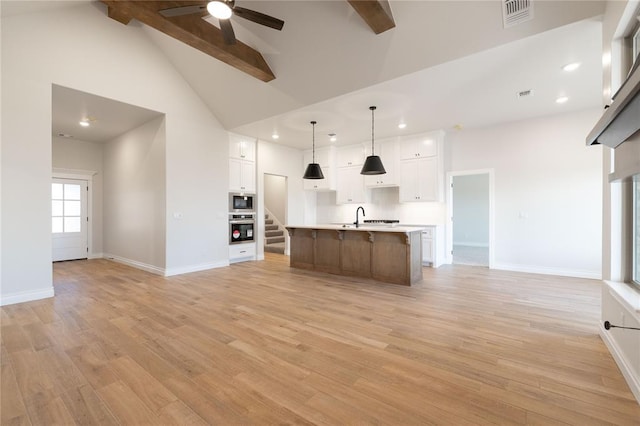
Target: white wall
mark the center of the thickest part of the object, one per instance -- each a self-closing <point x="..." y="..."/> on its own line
<point x="81" y="48"/>
<point x="548" y="195"/>
<point x="134" y="196"/>
<point x="471" y="210"/>
<point x="275" y="196"/>
<point x="383" y="203"/>
<point x="283" y="161"/>
<point x="75" y="154"/>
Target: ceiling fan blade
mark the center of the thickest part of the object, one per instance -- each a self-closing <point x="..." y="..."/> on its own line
<point x="258" y="18"/>
<point x="184" y="10"/>
<point x="228" y="35"/>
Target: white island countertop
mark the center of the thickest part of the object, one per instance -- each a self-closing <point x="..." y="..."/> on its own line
<point x="362" y="227"/>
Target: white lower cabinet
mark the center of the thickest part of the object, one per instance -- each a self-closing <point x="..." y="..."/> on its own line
<point x="427" y="247"/>
<point x="241" y="252"/>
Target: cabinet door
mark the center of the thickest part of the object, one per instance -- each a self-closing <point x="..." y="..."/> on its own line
<point x="235" y="174"/>
<point x="350" y="186"/>
<point x="419" y="147"/>
<point x="389" y="157"/>
<point x="248" y="176"/>
<point x="428" y="179"/>
<point x="409" y="181"/>
<point x="427" y="248"/>
<point x="242" y="147"/>
<point x="352" y="155"/>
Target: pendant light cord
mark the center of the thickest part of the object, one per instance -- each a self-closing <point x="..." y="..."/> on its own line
<point x="372" y="108"/>
<point x="313" y="142"/>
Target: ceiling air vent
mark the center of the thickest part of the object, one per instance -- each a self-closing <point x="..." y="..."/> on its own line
<point x="516" y="11"/>
<point x="525" y="94"/>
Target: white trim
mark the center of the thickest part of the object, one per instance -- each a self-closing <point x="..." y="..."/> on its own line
<point x="627" y="371"/>
<point x="627" y="296"/>
<point x="449" y="222"/>
<point x="26" y="296"/>
<point x="96" y="255"/>
<point x="195" y="268"/>
<point x="134" y="263"/>
<point x="86" y="175"/>
<point x="470" y="244"/>
<point x="533" y="269"/>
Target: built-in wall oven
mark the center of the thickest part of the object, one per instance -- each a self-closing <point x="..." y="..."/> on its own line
<point x="242" y="228"/>
<point x="241" y="203"/>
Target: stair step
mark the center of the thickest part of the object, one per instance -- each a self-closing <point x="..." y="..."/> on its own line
<point x="275" y="248"/>
<point x="271" y="227"/>
<point x="269" y="222"/>
<point x="274" y="240"/>
<point x="277" y="233"/>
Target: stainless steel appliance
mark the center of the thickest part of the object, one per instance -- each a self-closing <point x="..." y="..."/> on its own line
<point x="242" y="228"/>
<point x="241" y="203"/>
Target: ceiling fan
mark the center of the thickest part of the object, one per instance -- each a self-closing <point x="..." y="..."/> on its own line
<point x="223" y="10"/>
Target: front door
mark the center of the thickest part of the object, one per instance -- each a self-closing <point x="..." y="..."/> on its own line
<point x="69" y="219"/>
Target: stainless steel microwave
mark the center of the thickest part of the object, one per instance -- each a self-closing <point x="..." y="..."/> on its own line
<point x="241" y="203"/>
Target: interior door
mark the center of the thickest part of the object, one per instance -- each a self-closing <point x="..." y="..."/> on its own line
<point x="69" y="219"/>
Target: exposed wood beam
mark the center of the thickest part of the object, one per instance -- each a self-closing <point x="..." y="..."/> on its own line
<point x="376" y="13"/>
<point x="193" y="31"/>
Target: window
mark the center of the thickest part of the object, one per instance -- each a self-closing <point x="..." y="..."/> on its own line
<point x="66" y="208"/>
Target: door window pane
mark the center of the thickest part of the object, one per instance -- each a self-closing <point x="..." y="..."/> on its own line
<point x="56" y="225"/>
<point x="71" y="191"/>
<point x="56" y="208"/>
<point x="72" y="208"/>
<point x="56" y="191"/>
<point x="66" y="207"/>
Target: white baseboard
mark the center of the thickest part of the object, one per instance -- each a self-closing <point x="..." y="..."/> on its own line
<point x="260" y="256"/>
<point x="26" y="296"/>
<point x="632" y="379"/>
<point x="195" y="268"/>
<point x="532" y="269"/>
<point x="470" y="244"/>
<point x="96" y="256"/>
<point x="134" y="263"/>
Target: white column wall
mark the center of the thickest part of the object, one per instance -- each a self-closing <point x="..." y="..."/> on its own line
<point x="81" y="48"/>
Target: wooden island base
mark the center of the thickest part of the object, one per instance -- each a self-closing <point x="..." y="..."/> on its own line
<point x="392" y="255"/>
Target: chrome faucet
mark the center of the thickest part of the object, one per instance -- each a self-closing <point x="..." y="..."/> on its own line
<point x="363" y="215"/>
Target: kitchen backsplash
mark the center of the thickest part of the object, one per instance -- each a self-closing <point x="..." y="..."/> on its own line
<point x="383" y="204"/>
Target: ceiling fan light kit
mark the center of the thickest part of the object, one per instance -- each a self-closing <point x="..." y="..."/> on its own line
<point x="313" y="170"/>
<point x="373" y="164"/>
<point x="219" y="9"/>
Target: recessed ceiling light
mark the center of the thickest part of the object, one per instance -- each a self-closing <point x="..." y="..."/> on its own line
<point x="332" y="137"/>
<point x="275" y="136"/>
<point x="402" y="125"/>
<point x="562" y="99"/>
<point x="84" y="123"/>
<point x="571" y="67"/>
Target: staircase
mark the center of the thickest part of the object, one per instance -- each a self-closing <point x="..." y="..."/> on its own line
<point x="273" y="236"/>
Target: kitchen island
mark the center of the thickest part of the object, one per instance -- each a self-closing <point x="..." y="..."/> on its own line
<point x="391" y="254"/>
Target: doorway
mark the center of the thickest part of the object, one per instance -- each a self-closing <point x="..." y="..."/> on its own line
<point x="69" y="219"/>
<point x="470" y="235"/>
<point x="275" y="213"/>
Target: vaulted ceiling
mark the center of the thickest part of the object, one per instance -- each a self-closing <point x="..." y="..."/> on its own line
<point x="444" y="63"/>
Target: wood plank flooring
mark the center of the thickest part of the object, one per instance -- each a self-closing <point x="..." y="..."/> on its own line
<point x="260" y="343"/>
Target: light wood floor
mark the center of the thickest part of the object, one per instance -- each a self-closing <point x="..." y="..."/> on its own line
<point x="258" y="343"/>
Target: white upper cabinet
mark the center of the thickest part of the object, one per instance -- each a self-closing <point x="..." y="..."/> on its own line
<point x="326" y="157"/>
<point x="242" y="147"/>
<point x="387" y="150"/>
<point x="420" y="146"/>
<point x="242" y="165"/>
<point x="350" y="186"/>
<point x="351" y="155"/>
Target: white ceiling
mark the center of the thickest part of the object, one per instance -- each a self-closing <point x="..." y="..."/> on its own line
<point x="445" y="63"/>
<point x="108" y="118"/>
